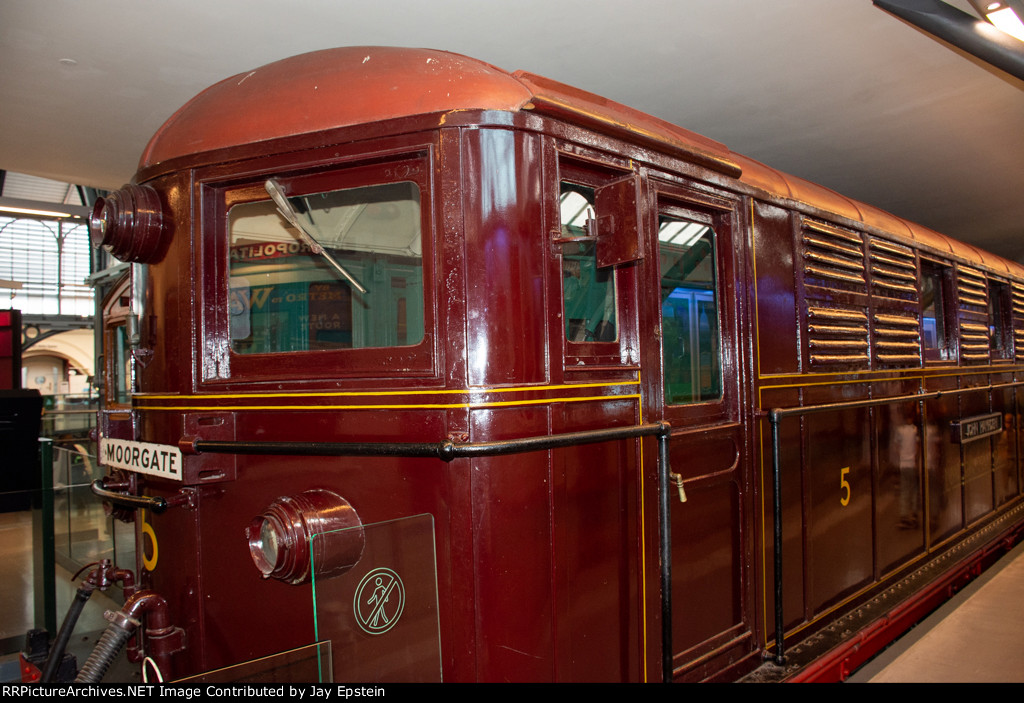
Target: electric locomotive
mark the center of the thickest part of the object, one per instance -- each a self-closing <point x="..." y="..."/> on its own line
<point x="430" y="371"/>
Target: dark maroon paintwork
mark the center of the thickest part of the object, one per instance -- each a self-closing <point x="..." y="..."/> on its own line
<point x="547" y="562"/>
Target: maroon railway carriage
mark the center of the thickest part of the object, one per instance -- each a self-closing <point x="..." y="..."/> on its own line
<point x="415" y="349"/>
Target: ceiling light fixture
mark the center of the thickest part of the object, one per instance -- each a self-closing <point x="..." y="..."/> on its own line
<point x="964" y="31"/>
<point x="28" y="211"/>
<point x="1003" y="15"/>
<point x="41" y="208"/>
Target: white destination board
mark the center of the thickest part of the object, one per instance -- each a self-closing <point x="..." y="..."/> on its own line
<point x="143" y="457"/>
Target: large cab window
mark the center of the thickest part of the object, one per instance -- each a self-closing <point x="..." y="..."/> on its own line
<point x="328" y="267"/>
<point x="295" y="285"/>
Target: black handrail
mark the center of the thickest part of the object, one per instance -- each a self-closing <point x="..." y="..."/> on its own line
<point x="153" y="504"/>
<point x="446" y="450"/>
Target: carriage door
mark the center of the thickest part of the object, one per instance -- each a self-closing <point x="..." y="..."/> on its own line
<point x="698" y="392"/>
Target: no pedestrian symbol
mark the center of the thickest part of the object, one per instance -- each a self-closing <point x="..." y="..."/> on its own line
<point x="379" y="601"/>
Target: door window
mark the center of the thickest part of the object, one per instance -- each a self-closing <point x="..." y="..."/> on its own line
<point x="691" y="340"/>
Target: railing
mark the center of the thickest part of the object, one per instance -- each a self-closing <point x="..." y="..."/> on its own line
<point x="51" y="530"/>
<point x="68" y="417"/>
<point x="83" y="534"/>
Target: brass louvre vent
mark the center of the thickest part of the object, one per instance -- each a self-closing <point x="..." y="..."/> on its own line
<point x="896" y="316"/>
<point x="893" y="270"/>
<point x="897" y="339"/>
<point x="1017" y="298"/>
<point x="972" y="292"/>
<point x="833" y="257"/>
<point x="972" y="288"/>
<point x="837" y="336"/>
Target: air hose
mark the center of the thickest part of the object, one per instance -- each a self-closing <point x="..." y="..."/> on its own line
<point x="162" y="638"/>
<point x="118" y="632"/>
<point x="56" y="654"/>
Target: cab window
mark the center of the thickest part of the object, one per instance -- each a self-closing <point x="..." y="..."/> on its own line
<point x="588" y="292"/>
<point x="340" y="269"/>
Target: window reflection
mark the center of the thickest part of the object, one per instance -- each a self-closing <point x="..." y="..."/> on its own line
<point x="286" y="298"/>
<point x="121" y="371"/>
<point x="588" y="292"/>
<point x="689" y="312"/>
<point x="933" y="306"/>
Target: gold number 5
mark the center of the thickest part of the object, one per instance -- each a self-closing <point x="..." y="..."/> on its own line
<point x="844" y="486"/>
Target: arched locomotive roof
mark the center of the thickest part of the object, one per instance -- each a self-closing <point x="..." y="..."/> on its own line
<point x="328" y="89"/>
<point x="348" y="86"/>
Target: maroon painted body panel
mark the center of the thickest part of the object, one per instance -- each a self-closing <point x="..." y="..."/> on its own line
<point x="546" y="563"/>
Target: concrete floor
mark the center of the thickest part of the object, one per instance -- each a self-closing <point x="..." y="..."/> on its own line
<point x="976" y="637"/>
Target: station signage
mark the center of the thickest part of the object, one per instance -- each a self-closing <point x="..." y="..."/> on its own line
<point x="161" y="460"/>
<point x="977" y="427"/>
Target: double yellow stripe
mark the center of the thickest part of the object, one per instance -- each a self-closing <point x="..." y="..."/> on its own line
<point x="143" y="398"/>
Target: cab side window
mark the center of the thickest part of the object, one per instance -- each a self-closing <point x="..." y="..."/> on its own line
<point x="588" y="292"/>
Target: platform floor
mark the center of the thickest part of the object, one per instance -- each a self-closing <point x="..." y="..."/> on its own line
<point x="17" y="602"/>
<point x="976" y="637"/>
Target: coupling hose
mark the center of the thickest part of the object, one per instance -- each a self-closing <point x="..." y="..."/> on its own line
<point x="118" y="632"/>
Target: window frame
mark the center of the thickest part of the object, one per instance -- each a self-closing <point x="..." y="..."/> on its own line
<point x="723" y="213"/>
<point x="946" y="351"/>
<point x="1000" y="317"/>
<point x="581" y="355"/>
<point x="219" y="192"/>
<point x="708" y="221"/>
<point x="116" y="309"/>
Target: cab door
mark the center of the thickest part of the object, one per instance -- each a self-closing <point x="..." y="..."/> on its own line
<point x="694" y="320"/>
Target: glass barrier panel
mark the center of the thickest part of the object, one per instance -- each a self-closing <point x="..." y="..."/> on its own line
<point x="84" y="533"/>
<point x="21" y="580"/>
<point x="381" y="616"/>
<point x="302" y="665"/>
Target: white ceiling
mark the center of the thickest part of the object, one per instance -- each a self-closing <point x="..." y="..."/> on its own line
<point x="835" y="91"/>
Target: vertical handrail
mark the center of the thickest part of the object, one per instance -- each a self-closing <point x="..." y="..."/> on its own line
<point x="665" y="552"/>
<point x="44" y="542"/>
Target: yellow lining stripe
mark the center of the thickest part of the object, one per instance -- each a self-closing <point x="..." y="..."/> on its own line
<point x="913" y="375"/>
<point x="423" y="406"/>
<point x="367" y="394"/>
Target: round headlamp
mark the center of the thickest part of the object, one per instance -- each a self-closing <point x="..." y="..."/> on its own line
<point x="316" y="532"/>
<point x="129" y="223"/>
